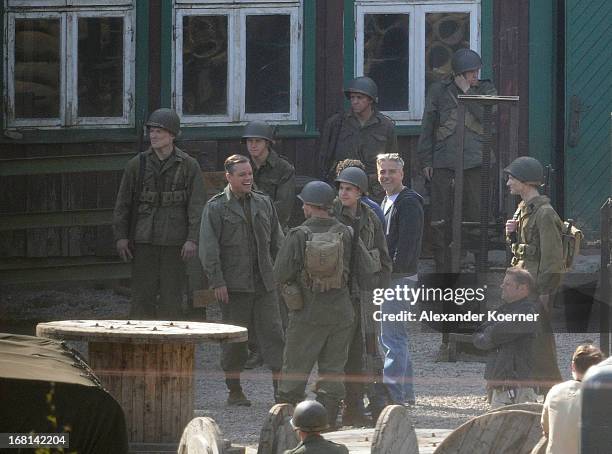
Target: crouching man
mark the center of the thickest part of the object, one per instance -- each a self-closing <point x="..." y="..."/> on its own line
<point x="510" y="367"/>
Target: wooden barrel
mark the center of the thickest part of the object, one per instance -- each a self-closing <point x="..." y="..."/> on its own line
<point x="499" y="432"/>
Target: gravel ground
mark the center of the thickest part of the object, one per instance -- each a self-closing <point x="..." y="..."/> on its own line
<point x="448" y="394"/>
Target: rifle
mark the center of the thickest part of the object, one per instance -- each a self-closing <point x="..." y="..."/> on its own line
<point x="327" y="160"/>
<point x="549" y="174"/>
<point x="137" y="189"/>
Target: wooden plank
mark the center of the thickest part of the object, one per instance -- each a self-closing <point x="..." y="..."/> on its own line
<point x="168" y="394"/>
<point x="127" y="385"/>
<point x="187" y="380"/>
<point x="136" y="429"/>
<point x="152" y="370"/>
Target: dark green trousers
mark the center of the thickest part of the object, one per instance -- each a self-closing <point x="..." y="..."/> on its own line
<point x="157" y="271"/>
<point x="442" y="197"/>
<point x="308" y="344"/>
<point x="258" y="311"/>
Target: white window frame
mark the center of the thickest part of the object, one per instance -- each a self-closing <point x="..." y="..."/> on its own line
<point x="68" y="61"/>
<point x="416" y="9"/>
<point x="236" y="77"/>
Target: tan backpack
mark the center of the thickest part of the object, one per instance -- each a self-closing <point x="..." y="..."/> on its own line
<point x="324" y="259"/>
<point x="571" y="238"/>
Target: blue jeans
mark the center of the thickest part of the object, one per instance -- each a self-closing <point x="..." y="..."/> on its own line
<point x="397" y="372"/>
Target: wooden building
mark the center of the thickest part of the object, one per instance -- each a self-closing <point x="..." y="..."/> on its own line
<point x="80" y="76"/>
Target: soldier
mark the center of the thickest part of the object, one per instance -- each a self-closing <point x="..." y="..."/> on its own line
<point x="309" y="420"/>
<point x="321" y="321"/>
<point x="362" y="133"/>
<point x="535" y="231"/>
<point x="365" y="363"/>
<point x="437" y="148"/>
<point x="239" y="238"/>
<point x="535" y="237"/>
<point x="403" y="210"/>
<point x="168" y="185"/>
<point x="274" y="176"/>
<point x="364" y="198"/>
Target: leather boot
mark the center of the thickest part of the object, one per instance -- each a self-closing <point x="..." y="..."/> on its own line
<point x="333" y="408"/>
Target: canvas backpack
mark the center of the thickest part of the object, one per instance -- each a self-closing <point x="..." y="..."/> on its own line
<point x="323" y="259"/>
<point x="571" y="238"/>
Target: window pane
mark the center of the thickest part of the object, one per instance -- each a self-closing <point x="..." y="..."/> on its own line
<point x="100" y="79"/>
<point x="385" y="59"/>
<point x="205" y="65"/>
<point x="37" y="70"/>
<point x="268" y="62"/>
<point x="444" y="34"/>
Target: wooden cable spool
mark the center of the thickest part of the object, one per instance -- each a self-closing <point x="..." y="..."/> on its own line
<point x="394" y="433"/>
<point x="526" y="406"/>
<point x="439" y="57"/>
<point x="36" y="46"/>
<point x="450" y="29"/>
<point x="498" y="432"/>
<point x="277" y="434"/>
<point x="201" y="436"/>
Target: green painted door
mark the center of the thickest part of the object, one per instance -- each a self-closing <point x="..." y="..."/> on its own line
<point x="588" y="103"/>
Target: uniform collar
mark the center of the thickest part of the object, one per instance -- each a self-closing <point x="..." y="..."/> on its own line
<point x="271" y="160"/>
<point x="372" y="120"/>
<point x="534" y="204"/>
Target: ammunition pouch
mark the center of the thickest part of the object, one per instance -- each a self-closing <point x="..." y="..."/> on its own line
<point x="167" y="198"/>
<point x="292" y="296"/>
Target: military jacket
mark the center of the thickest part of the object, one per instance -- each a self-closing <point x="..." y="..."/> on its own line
<point x="225" y="251"/>
<point x="170" y="202"/>
<point x="438" y="144"/>
<point x="276" y="178"/>
<point x="345" y="138"/>
<point x="325" y="308"/>
<point x="316" y="444"/>
<point x="539" y="247"/>
<point x="374" y="269"/>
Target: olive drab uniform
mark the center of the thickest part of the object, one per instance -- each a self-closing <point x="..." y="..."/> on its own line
<point x="169" y="209"/>
<point x="365" y="360"/>
<point x="276" y="178"/>
<point x="239" y="238"/>
<point x="437" y="148"/>
<point x="538" y="249"/>
<point x="345" y="138"/>
<point x="316" y="444"/>
<point x="322" y="329"/>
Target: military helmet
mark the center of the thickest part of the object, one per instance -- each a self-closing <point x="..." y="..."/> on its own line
<point x="310" y="416"/>
<point x="363" y="85"/>
<point x="526" y="169"/>
<point x="166" y="119"/>
<point x="258" y="130"/>
<point x="354" y="176"/>
<point x="318" y="193"/>
<point x="465" y="60"/>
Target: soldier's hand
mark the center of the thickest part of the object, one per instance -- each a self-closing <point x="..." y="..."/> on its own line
<point x="123" y="249"/>
<point x="189" y="250"/>
<point x="511" y="226"/>
<point x="221" y="295"/>
<point x="428" y="172"/>
<point x="462" y="83"/>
